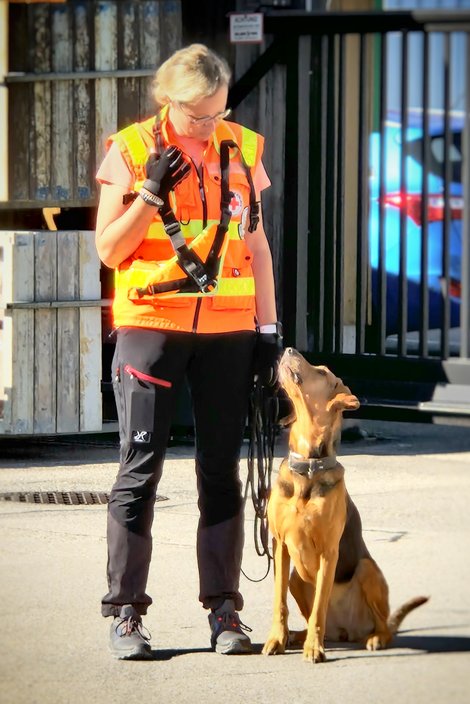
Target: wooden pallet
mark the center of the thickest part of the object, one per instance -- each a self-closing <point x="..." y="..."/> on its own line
<point x="50" y="339"/>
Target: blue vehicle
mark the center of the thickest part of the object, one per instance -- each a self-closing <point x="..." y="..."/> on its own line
<point x="397" y="200"/>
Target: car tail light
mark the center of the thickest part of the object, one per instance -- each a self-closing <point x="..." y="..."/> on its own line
<point x="411" y="203"/>
<point x="454" y="288"/>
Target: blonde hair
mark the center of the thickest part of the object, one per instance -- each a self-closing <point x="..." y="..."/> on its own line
<point x="189" y="75"/>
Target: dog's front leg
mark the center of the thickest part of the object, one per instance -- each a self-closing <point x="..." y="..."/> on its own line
<point x="277" y="639"/>
<point x="314" y="650"/>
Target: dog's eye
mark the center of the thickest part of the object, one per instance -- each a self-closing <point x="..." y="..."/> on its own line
<point x="322" y="372"/>
<point x="297" y="378"/>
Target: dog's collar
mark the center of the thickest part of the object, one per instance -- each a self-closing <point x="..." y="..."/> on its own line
<point x="310" y="466"/>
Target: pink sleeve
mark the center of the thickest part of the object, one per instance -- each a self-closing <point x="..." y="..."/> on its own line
<point x="260" y="179"/>
<point x="114" y="169"/>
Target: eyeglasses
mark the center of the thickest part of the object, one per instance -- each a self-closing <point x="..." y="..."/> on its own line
<point x="204" y="120"/>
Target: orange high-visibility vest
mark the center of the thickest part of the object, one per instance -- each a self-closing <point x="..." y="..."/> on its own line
<point x="231" y="305"/>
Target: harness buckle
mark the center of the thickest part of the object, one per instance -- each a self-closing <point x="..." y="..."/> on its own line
<point x="171" y="228"/>
<point x="200" y="277"/>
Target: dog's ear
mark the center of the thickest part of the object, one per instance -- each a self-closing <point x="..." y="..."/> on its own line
<point x="343" y="402"/>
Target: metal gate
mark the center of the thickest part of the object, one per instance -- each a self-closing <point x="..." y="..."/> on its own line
<point x="374" y="257"/>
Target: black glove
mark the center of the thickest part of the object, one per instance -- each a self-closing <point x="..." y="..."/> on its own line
<point x="267" y="353"/>
<point x="165" y="172"/>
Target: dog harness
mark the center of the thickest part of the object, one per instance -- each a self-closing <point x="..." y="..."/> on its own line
<point x="201" y="274"/>
<point x="192" y="272"/>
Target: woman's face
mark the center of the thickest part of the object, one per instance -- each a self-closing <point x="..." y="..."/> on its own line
<point x="199" y="119"/>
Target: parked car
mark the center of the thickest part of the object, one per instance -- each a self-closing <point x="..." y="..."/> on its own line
<point x="397" y="200"/>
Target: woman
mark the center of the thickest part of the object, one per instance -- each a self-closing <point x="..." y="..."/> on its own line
<point x="179" y="221"/>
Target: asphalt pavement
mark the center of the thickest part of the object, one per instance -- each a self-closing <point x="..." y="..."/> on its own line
<point x="411" y="483"/>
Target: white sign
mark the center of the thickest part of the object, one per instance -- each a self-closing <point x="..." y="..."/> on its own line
<point x="246" y="29"/>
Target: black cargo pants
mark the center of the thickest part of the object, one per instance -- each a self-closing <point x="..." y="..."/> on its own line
<point x="148" y="369"/>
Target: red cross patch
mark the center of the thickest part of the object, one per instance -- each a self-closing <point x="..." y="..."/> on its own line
<point x="236" y="204"/>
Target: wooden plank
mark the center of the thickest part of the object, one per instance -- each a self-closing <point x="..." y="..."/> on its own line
<point x="3" y="106"/>
<point x="19" y="40"/>
<point x="63" y="123"/>
<point x="103" y="303"/>
<point x="150" y="54"/>
<point x="18" y="142"/>
<point x="90" y="336"/>
<point x="128" y="58"/>
<point x="45" y="334"/>
<point x="40" y="132"/>
<point x="90" y="369"/>
<point x="106" y="54"/>
<point x="171" y="27"/>
<point x="68" y="333"/>
<point x="16" y="371"/>
<point x="84" y="121"/>
<point x="18" y="104"/>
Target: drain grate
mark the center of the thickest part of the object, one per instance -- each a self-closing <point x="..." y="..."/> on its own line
<point x="65" y="498"/>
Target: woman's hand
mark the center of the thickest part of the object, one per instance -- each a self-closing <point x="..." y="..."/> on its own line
<point x="165" y="172"/>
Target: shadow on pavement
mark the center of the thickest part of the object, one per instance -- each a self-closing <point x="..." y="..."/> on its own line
<point x="419" y="643"/>
<point x="163" y="655"/>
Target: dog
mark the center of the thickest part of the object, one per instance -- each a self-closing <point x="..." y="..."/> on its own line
<point x="340" y="590"/>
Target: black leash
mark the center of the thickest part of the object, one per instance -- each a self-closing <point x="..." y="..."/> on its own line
<point x="262" y="419"/>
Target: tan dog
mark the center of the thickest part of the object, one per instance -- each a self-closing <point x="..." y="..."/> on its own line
<point x="340" y="590"/>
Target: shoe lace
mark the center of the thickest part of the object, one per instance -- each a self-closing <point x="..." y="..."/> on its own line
<point x="127" y="626"/>
<point x="230" y="621"/>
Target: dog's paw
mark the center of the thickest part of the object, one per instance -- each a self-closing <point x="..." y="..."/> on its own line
<point x="314" y="654"/>
<point x="275" y="645"/>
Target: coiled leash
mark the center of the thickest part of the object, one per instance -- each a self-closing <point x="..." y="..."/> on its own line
<point x="262" y="420"/>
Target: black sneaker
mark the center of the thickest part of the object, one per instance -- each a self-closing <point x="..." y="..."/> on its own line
<point x="127" y="638"/>
<point x="228" y="637"/>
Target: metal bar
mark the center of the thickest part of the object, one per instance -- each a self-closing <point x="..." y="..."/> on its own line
<point x="20" y="77"/>
<point x="382" y="270"/>
<point x="315" y="255"/>
<point x="303" y="164"/>
<point x="323" y="170"/>
<point x="290" y="22"/>
<point x="330" y="194"/>
<point x="445" y="321"/>
<point x="402" y="276"/>
<point x="289" y="260"/>
<point x="465" y="275"/>
<point x="425" y="154"/>
<point x="339" y="292"/>
<point x="363" y="175"/>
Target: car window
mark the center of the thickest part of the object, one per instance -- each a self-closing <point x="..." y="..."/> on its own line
<point x="436" y="161"/>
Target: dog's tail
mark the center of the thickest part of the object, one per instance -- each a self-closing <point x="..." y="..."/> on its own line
<point x="397" y="617"/>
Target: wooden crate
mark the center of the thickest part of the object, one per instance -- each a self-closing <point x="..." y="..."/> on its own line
<point x="50" y="341"/>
